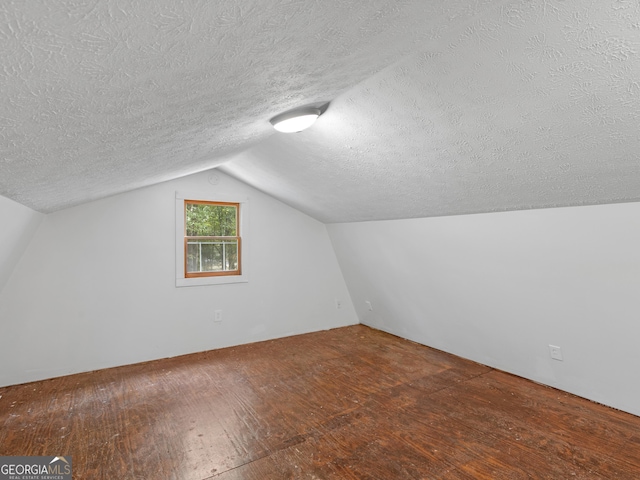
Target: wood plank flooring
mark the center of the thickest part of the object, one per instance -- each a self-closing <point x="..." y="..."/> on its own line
<point x="350" y="403"/>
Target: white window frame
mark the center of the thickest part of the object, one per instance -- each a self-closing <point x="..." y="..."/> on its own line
<point x="181" y="281"/>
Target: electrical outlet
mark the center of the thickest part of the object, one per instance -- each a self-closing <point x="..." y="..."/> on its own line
<point x="555" y="352"/>
<point x="338" y="303"/>
<point x="369" y="306"/>
<point x="217" y="316"/>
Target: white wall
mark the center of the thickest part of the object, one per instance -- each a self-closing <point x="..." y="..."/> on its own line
<point x="18" y="224"/>
<point x="96" y="286"/>
<point x="499" y="288"/>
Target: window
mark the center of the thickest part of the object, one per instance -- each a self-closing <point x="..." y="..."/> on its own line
<point x="211" y="239"/>
<point x="212" y="244"/>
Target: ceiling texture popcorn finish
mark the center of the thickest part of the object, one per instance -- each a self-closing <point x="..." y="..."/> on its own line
<point x="438" y="107"/>
<point x="103" y="96"/>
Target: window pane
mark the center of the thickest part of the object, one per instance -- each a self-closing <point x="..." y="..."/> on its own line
<point x="214" y="255"/>
<point x="204" y="220"/>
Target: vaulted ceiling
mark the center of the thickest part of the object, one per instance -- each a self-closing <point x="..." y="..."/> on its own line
<point x="438" y="107"/>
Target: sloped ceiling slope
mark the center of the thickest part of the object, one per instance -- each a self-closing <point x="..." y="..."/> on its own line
<point x="531" y="104"/>
<point x="103" y="96"/>
<point x="438" y="107"/>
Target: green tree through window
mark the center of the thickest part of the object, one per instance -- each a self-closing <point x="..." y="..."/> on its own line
<point x="212" y="238"/>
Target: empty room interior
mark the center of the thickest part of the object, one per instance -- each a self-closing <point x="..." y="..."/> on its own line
<point x="438" y="278"/>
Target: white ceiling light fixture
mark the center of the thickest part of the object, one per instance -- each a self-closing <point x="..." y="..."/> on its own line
<point x="297" y="119"/>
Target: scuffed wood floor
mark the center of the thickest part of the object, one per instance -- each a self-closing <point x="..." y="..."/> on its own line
<point x="350" y="403"/>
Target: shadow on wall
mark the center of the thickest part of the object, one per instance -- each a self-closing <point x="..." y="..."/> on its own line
<point x="19" y="223"/>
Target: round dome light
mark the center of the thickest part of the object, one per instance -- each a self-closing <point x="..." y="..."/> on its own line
<point x="295" y="120"/>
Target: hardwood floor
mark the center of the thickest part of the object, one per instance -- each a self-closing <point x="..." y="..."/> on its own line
<point x="350" y="403"/>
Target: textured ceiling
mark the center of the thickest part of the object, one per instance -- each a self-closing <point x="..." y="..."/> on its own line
<point x="438" y="107"/>
<point x="102" y="96"/>
<point x="532" y="104"/>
